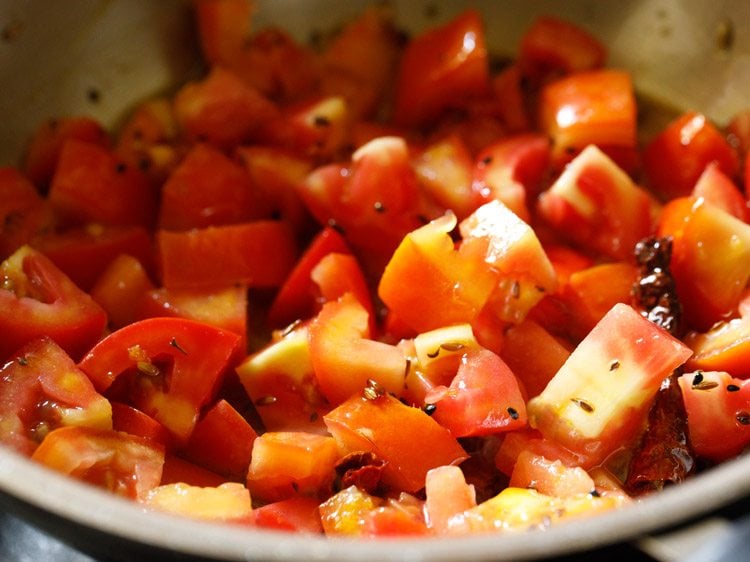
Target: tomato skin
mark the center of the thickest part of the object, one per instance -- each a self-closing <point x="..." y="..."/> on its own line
<point x="222" y="441"/>
<point x="552" y="46"/>
<point x="361" y="61"/>
<point x="84" y="253"/>
<point x="224" y="308"/>
<point x="533" y="355"/>
<point x="43" y="301"/>
<point x="710" y="259"/>
<point x="41" y="389"/>
<point x="208" y="189"/>
<point x="124" y="282"/>
<point x="43" y="150"/>
<point x="23" y="212"/>
<point x="178" y="470"/>
<point x="294" y="514"/>
<point x="296" y="297"/>
<point x="674" y="160"/>
<point x="131" y="420"/>
<point x="719" y="190"/>
<point x="91" y="184"/>
<point x="440" y="69"/>
<point x="595" y="107"/>
<point x="717" y="408"/>
<point x="258" y="253"/>
<point x="222" y="110"/>
<point x="595" y="204"/>
<point x="124" y="464"/>
<point x="512" y="170"/>
<point x="483" y="398"/>
<point x="409" y="440"/>
<point x="195" y="354"/>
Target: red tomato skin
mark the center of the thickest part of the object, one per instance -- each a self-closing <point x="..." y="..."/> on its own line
<point x="91" y="184"/>
<point x="552" y="47"/>
<point x="440" y="69"/>
<point x="84" y="253"/>
<point x="39" y="387"/>
<point x="54" y="306"/>
<point x="222" y="110"/>
<point x="197" y="354"/>
<point x="208" y="189"/>
<point x="483" y="398"/>
<point x="296" y="297"/>
<point x="223" y="307"/>
<point x="717" y="407"/>
<point x="717" y="188"/>
<point x="710" y="259"/>
<point x="409" y="440"/>
<point x="595" y="107"/>
<point x="674" y="160"/>
<point x="23" y="212"/>
<point x="43" y="151"/>
<point x="258" y="253"/>
<point x="131" y="420"/>
<point x="222" y="441"/>
<point x="177" y="469"/>
<point x="124" y="282"/>
<point x="294" y="514"/>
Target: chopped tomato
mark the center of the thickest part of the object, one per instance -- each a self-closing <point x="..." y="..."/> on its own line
<point x="343" y="357"/>
<point x="281" y="382"/>
<point x="91" y="184"/>
<point x="296" y="297"/>
<point x="23" y="212"/>
<point x="408" y="440"/>
<point x="717" y="188"/>
<point x="440" y="69"/>
<point x="596" y="107"/>
<point x="483" y="398"/>
<point x="361" y="61"/>
<point x="208" y="189"/>
<point x="297" y="514"/>
<point x="718" y="413"/>
<point x="170" y="368"/>
<point x="124" y="464"/>
<point x="725" y="347"/>
<point x="710" y="259"/>
<point x="37" y="299"/>
<point x="84" y="253"/>
<point x="676" y="157"/>
<point x="224" y="308"/>
<point x="599" y="398"/>
<point x="43" y="150"/>
<point x="222" y="441"/>
<point x="229" y="502"/>
<point x="447" y="495"/>
<point x="221" y="110"/>
<point x="438" y="274"/>
<point x="131" y="420"/>
<point x="549" y="477"/>
<point x="41" y="389"/>
<point x="258" y="253"/>
<point x="122" y="283"/>
<point x="290" y="464"/>
<point x="552" y="46"/>
<point x="595" y="204"/>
